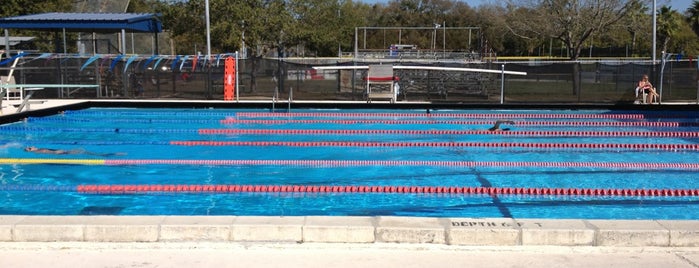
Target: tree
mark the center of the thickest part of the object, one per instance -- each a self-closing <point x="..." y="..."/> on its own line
<point x="11" y="8"/>
<point x="493" y="25"/>
<point x="669" y="22"/>
<point x="693" y="16"/>
<point x="675" y="32"/>
<point x="325" y="25"/>
<point x="636" y="24"/>
<point x="570" y="21"/>
<point x="185" y="21"/>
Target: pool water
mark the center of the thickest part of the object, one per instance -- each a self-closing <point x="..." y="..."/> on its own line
<point x="545" y="149"/>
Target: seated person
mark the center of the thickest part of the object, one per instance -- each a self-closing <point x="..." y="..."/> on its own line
<point x="646" y="87"/>
<point x="496" y="127"/>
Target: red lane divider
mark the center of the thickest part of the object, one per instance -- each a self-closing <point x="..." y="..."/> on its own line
<point x="159" y="188"/>
<point x="438" y="144"/>
<point x="437" y="115"/>
<point x="354" y="163"/>
<point x="457" y="122"/>
<point x="678" y="134"/>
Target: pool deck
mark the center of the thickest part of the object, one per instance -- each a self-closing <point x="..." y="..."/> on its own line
<point x="326" y="241"/>
<point x="322" y="241"/>
<point x="69" y="255"/>
<point x="359" y="230"/>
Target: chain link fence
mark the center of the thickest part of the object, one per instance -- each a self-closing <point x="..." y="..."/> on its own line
<point x="266" y="79"/>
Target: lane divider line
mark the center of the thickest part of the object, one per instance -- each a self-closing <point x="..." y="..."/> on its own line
<point x="128" y="189"/>
<point x="52" y="161"/>
<point x="134" y="189"/>
<point x="352" y="163"/>
<point x="457" y="122"/>
<point x="444" y="115"/>
<point x="655" y="134"/>
<point x="440" y="144"/>
<point x="122" y="120"/>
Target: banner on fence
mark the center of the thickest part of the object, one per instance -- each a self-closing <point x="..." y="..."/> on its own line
<point x="229" y="79"/>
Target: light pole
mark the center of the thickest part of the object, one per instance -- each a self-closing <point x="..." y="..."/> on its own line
<point x="208" y="32"/>
<point x="208" y="50"/>
<point x="339" y="44"/>
<point x="444" y="40"/>
<point x="655" y="37"/>
<point x="244" y="50"/>
<point x="434" y="39"/>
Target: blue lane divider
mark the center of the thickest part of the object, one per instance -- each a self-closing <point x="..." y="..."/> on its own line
<point x="195" y="113"/>
<point x="37" y="188"/>
<point x="122" y="120"/>
<point x="93" y="130"/>
<point x="84" y="142"/>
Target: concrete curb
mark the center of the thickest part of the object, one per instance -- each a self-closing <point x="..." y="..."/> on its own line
<point x="329" y="229"/>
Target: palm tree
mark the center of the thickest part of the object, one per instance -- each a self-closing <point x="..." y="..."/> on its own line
<point x="669" y="22"/>
<point x="693" y="16"/>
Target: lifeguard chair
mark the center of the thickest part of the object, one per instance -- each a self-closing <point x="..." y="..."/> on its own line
<point x="381" y="75"/>
<point x="11" y="92"/>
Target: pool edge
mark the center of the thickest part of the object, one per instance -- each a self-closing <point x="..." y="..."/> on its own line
<point x="349" y="229"/>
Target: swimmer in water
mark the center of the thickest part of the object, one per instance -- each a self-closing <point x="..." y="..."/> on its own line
<point x="37" y="150"/>
<point x="496" y="127"/>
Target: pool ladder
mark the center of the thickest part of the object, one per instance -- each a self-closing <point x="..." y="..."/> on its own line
<point x="275" y="97"/>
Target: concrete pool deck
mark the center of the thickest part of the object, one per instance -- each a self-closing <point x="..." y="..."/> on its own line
<point x="356" y="230"/>
<point x="323" y="241"/>
<point x="69" y="255"/>
<point x="327" y="241"/>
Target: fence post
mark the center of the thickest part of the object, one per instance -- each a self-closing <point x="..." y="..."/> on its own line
<point x="502" y="85"/>
<point x="237" y="78"/>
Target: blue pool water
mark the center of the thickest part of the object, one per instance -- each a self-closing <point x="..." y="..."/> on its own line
<point x="498" y="161"/>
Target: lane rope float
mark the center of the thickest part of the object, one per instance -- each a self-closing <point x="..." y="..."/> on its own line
<point x="121" y="189"/>
<point x="456" y="122"/>
<point x="517" y="145"/>
<point x="349" y="122"/>
<point x="440" y="144"/>
<point x="52" y="161"/>
<point x="655" y="134"/>
<point x="229" y="131"/>
<point x="86" y="142"/>
<point x="353" y="163"/>
<point x="122" y="120"/>
<point x="196" y="113"/>
<point x="95" y="130"/>
<point x="443" y="115"/>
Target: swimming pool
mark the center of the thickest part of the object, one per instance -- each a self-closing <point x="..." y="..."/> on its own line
<point x="595" y="164"/>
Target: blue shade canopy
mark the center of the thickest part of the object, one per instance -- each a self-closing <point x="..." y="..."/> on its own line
<point x="86" y="22"/>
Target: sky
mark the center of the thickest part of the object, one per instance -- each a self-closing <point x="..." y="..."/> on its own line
<point x="679" y="5"/>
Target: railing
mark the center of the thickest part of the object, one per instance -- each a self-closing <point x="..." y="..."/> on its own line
<point x="601" y="81"/>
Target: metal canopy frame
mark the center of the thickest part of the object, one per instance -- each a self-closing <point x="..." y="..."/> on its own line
<point x="87" y="23"/>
